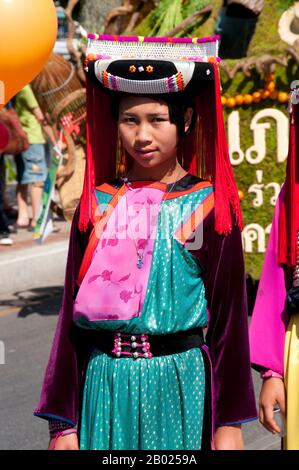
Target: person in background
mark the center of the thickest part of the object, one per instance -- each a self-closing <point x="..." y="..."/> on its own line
<point x="236" y="25"/>
<point x="31" y="164"/>
<point x="4" y="228"/>
<point x="4" y="225"/>
<point x="274" y="327"/>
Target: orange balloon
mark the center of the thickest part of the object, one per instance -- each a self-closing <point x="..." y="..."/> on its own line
<point x="223" y="100"/>
<point x="28" y="31"/>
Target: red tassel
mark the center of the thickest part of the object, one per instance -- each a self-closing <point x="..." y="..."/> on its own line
<point x="205" y="153"/>
<point x="100" y="149"/>
<point x="226" y="192"/>
<point x="289" y="210"/>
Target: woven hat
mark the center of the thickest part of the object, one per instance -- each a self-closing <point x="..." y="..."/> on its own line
<point x="184" y="67"/>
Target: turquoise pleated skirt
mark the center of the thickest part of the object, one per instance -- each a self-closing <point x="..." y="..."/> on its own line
<point x="143" y="404"/>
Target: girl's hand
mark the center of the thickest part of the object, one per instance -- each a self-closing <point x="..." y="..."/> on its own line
<point x="229" y="438"/>
<point x="69" y="442"/>
<point x="272" y="393"/>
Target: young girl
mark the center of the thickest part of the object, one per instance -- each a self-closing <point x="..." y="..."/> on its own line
<point x="155" y="256"/>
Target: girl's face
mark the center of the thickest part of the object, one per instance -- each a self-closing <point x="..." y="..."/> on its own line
<point x="146" y="131"/>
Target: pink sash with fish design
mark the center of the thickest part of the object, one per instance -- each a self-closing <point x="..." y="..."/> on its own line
<point x="114" y="287"/>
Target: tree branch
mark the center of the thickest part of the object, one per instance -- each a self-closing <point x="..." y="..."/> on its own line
<point x="71" y="35"/>
<point x="123" y="10"/>
<point x="188" y="21"/>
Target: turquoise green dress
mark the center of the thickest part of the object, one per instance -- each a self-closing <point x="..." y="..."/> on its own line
<point x="172" y="402"/>
<point x="157" y="403"/>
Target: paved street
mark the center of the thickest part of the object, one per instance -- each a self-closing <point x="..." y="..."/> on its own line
<point x="27" y="322"/>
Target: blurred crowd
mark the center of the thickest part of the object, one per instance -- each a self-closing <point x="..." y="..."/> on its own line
<point x="31" y="138"/>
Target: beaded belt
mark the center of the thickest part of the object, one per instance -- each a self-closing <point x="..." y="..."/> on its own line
<point x="147" y="346"/>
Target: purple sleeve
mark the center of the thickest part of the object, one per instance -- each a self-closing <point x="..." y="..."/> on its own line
<point x="60" y="390"/>
<point x="56" y="426"/>
<point x="227" y="335"/>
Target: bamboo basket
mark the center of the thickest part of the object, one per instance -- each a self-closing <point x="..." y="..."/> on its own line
<point x="69" y="181"/>
<point x="62" y="99"/>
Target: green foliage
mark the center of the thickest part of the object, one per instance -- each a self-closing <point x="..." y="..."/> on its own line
<point x="283" y="5"/>
<point x="208" y="27"/>
<point x="266" y="39"/>
<point x="167" y="15"/>
<point x="192" y="6"/>
<point x="10" y="170"/>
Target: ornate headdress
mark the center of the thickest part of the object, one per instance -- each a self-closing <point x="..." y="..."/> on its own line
<point x="158" y="66"/>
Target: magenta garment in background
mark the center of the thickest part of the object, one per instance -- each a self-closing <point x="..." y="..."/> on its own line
<point x="269" y="319"/>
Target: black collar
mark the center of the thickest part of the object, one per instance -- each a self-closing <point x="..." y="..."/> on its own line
<point x="186" y="182"/>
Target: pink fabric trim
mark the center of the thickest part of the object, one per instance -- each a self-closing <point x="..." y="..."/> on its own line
<point x="270" y="373"/>
<point x="206" y="349"/>
<point x="66" y="432"/>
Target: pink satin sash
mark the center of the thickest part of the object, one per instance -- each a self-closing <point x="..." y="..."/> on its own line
<point x="114" y="287"/>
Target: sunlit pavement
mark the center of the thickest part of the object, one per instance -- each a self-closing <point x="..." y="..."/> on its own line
<point x="27" y="322"/>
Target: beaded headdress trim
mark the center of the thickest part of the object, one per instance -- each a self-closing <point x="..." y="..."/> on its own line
<point x="101" y="47"/>
<point x="182" y="52"/>
<point x="174" y="83"/>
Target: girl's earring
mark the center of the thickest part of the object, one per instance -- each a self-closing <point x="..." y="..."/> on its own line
<point x="122" y="166"/>
<point x="188" y="127"/>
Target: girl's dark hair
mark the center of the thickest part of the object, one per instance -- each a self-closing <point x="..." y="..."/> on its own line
<point x="177" y="103"/>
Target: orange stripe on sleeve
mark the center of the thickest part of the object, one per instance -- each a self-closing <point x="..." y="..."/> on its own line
<point x="97" y="232"/>
<point x="184" y="232"/>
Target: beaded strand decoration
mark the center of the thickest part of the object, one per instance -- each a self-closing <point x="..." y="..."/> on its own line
<point x="140" y="250"/>
<point x="104" y="47"/>
<point x="163" y="85"/>
<point x="122" y="339"/>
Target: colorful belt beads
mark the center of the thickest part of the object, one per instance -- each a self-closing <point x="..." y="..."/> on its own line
<point x="127" y="345"/>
